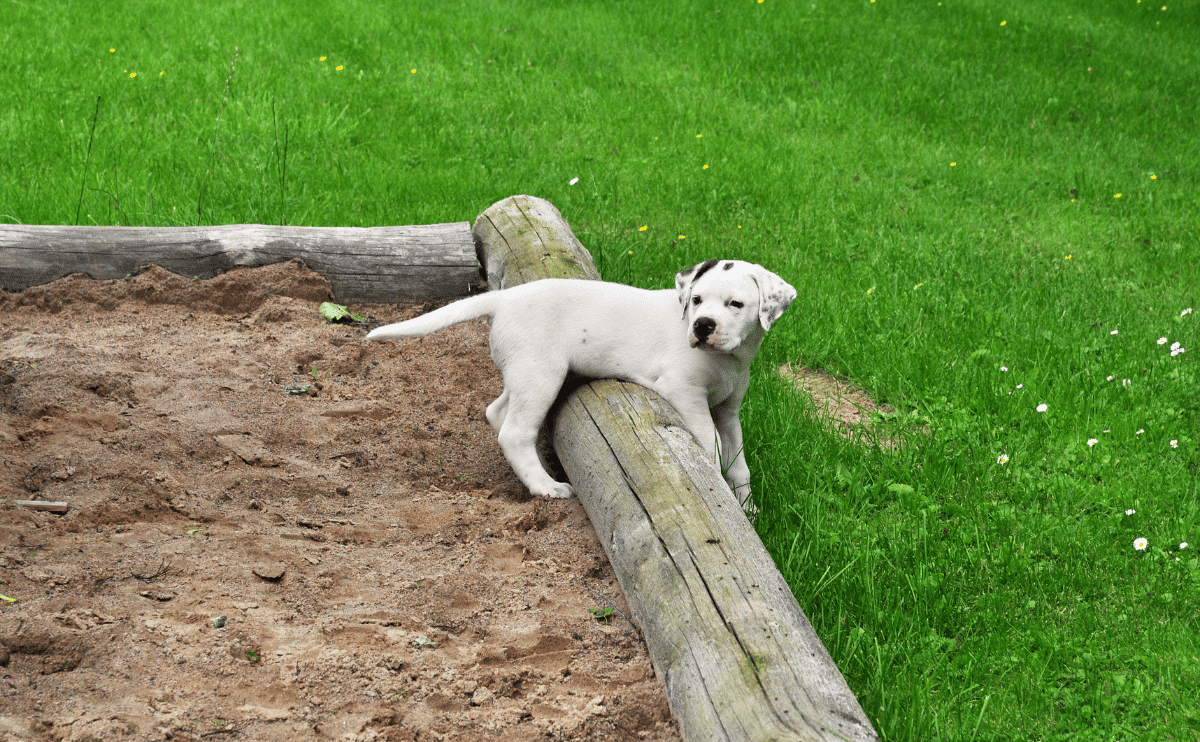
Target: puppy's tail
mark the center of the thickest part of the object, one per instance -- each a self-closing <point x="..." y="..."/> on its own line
<point x="460" y="311"/>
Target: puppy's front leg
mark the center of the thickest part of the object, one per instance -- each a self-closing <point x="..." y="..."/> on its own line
<point x="733" y="455"/>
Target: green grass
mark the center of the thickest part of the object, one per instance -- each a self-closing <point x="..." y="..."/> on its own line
<point x="920" y="172"/>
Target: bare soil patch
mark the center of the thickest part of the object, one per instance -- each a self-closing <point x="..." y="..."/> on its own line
<point x="848" y="406"/>
<point x="382" y="573"/>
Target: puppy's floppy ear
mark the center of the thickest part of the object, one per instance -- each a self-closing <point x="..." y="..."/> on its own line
<point x="683" y="285"/>
<point x="774" y="296"/>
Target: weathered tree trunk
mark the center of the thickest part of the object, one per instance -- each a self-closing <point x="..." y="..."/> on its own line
<point x="523" y="238"/>
<point x="738" y="656"/>
<point x="376" y="264"/>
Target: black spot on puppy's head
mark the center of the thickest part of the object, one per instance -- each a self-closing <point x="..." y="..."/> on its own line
<point x="727" y="266"/>
<point x="703" y="268"/>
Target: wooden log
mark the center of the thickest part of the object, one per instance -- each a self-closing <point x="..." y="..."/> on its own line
<point x="524" y="238"/>
<point x="372" y="264"/>
<point x="739" y="658"/>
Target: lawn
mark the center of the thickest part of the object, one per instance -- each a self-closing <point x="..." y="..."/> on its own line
<point x="989" y="211"/>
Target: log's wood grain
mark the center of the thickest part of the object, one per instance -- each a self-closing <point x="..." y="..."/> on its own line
<point x="739" y="658"/>
<point x="369" y="264"/>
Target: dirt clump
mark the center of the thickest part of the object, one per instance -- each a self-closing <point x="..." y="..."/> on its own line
<point x="279" y="528"/>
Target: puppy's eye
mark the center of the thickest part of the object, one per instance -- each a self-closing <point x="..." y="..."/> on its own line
<point x="696" y="301"/>
<point x="736" y="304"/>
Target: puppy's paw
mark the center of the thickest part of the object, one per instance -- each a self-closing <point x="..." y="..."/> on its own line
<point x="557" y="490"/>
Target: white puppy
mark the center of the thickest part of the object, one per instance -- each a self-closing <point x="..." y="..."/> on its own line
<point x="698" y="360"/>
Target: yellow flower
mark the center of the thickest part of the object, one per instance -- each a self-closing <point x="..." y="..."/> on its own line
<point x="132" y="74"/>
<point x="699" y="135"/>
<point x="110" y="51"/>
<point x="1116" y="195"/>
<point x="339" y="68"/>
<point x="1153" y="177"/>
<point x="322" y="59"/>
<point x="414" y="72"/>
<point x="1066" y="257"/>
<point x="704" y="168"/>
<point x="953" y="164"/>
<point x="162" y="73"/>
<point x="631" y="252"/>
<point x="683" y="236"/>
<point x="1003" y="23"/>
<point x="643" y="228"/>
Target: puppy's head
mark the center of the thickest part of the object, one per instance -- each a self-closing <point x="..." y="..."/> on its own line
<point x="727" y="301"/>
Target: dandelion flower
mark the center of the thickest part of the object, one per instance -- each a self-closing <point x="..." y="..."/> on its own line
<point x="132" y="75"/>
<point x="110" y="51"/>
<point x="683" y="236"/>
<point x="1067" y="257"/>
<point x="322" y="59"/>
<point x="643" y="228"/>
<point x="1175" y="444"/>
<point x="1116" y="195"/>
<point x="954" y="164"/>
<point x="1162" y="341"/>
<point x="573" y="181"/>
<point x="1130" y="511"/>
<point x="1002" y="459"/>
<point x="1140" y="544"/>
<point x="704" y="168"/>
<point x="1042" y="407"/>
<point x="339" y="68"/>
<point x="699" y="135"/>
<point x="1153" y="177"/>
<point x="1003" y="23"/>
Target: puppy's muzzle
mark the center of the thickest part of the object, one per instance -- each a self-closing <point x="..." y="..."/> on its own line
<point x="702" y="328"/>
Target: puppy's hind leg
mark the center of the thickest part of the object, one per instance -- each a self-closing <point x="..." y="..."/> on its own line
<point x="529" y="391"/>
<point x="498" y="410"/>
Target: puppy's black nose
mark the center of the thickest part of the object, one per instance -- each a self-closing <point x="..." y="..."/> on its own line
<point x="703" y="327"/>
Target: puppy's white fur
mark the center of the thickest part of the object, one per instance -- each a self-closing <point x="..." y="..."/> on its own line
<point x="696" y="357"/>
